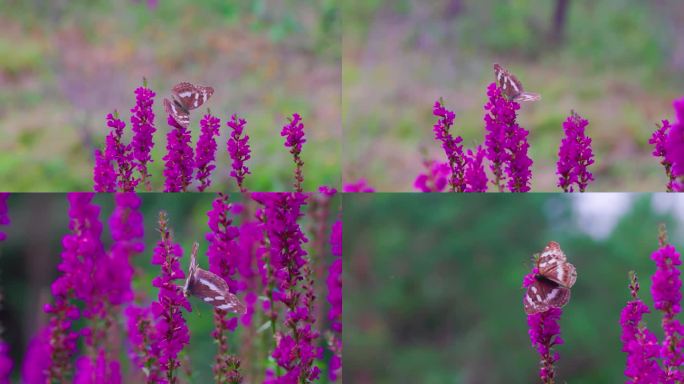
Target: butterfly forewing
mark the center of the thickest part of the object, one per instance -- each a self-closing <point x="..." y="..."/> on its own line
<point x="191" y="96"/>
<point x="543" y="295"/>
<point x="511" y="87"/>
<point x="553" y="265"/>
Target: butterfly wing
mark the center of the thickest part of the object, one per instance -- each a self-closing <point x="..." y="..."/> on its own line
<point x="527" y="96"/>
<point x="543" y="295"/>
<point x="553" y="265"/>
<point x="191" y="96"/>
<point x="178" y="113"/>
<point x="214" y="290"/>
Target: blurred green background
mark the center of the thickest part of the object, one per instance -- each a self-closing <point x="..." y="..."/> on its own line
<point x="433" y="283"/>
<point x="29" y="258"/>
<point x="65" y="64"/>
<point x="618" y="63"/>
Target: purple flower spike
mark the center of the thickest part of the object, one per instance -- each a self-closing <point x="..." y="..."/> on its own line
<point x="435" y="178"/>
<point x="506" y="143"/>
<point x="294" y="133"/>
<point x="360" y="185"/>
<point x="334" y="282"/>
<point x="104" y="175"/>
<point x="544" y="334"/>
<point x="179" y="160"/>
<point x="238" y="150"/>
<point x="574" y="155"/>
<point x="659" y="142"/>
<point x="674" y="146"/>
<point x="5" y="363"/>
<point x="451" y="145"/>
<point x="37" y="358"/>
<point x="666" y="289"/>
<point x="4" y="216"/>
<point x="121" y="153"/>
<point x="142" y="336"/>
<point x="142" y="123"/>
<point x="475" y="176"/>
<point x="173" y="333"/>
<point x="640" y="344"/>
<point x="206" y="150"/>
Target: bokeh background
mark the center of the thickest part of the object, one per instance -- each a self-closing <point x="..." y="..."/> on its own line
<point x="30" y="255"/>
<point x="65" y="64"/>
<point x="433" y="284"/>
<point x="618" y="63"/>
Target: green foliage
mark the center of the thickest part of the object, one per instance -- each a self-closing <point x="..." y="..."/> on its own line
<point x="433" y="285"/>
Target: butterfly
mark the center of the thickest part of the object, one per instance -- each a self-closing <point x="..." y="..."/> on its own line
<point x="551" y="286"/>
<point x="186" y="97"/>
<point x="512" y="87"/>
<point x="210" y="287"/>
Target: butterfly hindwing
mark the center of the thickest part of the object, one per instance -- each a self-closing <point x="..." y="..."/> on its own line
<point x="543" y="295"/>
<point x="176" y="110"/>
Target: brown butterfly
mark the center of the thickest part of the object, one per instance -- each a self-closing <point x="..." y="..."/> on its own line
<point x="551" y="287"/>
<point x="184" y="98"/>
<point x="210" y="287"/>
<point x="512" y="87"/>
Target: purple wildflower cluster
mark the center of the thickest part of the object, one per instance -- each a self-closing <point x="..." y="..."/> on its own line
<point x="142" y="123"/>
<point x="641" y="345"/>
<point x="506" y="143"/>
<point x="206" y="150"/>
<point x="334" y="282"/>
<point x="115" y="165"/>
<point x="294" y="139"/>
<point x="5" y="361"/>
<point x="451" y="145"/>
<point x="264" y="259"/>
<point x="668" y="145"/>
<point x="435" y="179"/>
<point x="574" y="155"/>
<point x="239" y="150"/>
<point x="544" y="332"/>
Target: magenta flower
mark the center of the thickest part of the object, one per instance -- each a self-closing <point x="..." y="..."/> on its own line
<point x="206" y="150"/>
<point x="4" y="216"/>
<point x="104" y="175"/>
<point x="5" y="363"/>
<point x="666" y="289"/>
<point x="435" y="178"/>
<point x="574" y="155"/>
<point x="179" y="159"/>
<point x="224" y="257"/>
<point x="360" y="185"/>
<point x="238" y="150"/>
<point x="142" y="335"/>
<point x="506" y="143"/>
<point x="82" y="249"/>
<point x="674" y="146"/>
<point x="475" y="176"/>
<point x="142" y="123"/>
<point x="296" y="349"/>
<point x="295" y="138"/>
<point x="173" y="334"/>
<point x="545" y="334"/>
<point x="334" y="283"/>
<point x="640" y="344"/>
<point x="37" y="358"/>
<point x="99" y="371"/>
<point x="659" y="142"/>
<point x="121" y="153"/>
<point x="451" y="145"/>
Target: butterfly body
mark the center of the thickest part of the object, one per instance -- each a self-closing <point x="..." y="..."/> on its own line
<point x="511" y="87"/>
<point x="551" y="286"/>
<point x="184" y="98"/>
<point x="210" y="288"/>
